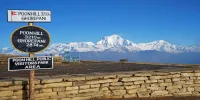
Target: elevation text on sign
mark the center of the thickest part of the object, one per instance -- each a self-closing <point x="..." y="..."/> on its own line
<point x="30" y="39"/>
<point x="29" y="16"/>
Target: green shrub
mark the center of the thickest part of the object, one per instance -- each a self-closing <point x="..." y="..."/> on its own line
<point x="123" y="60"/>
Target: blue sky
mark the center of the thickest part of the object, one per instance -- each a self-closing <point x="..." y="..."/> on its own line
<point x="176" y="21"/>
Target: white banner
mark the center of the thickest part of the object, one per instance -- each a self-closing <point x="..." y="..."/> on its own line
<point x="29" y="16"/>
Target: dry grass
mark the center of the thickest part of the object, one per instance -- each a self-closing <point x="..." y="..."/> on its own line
<point x="57" y="59"/>
<point x="90" y="61"/>
<point x="167" y="64"/>
<point x="96" y="61"/>
<point x="142" y="63"/>
<point x="7" y="55"/>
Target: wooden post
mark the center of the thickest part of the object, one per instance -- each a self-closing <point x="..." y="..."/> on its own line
<point x="31" y="77"/>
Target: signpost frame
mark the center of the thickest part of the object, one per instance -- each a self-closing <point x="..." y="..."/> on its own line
<point x="30" y="16"/>
<point x="31" y="76"/>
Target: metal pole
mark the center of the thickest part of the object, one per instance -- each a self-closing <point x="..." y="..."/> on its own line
<point x="31" y="77"/>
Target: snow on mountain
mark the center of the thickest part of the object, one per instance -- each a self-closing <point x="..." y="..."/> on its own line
<point x="114" y="40"/>
<point x="8" y="50"/>
<point x="113" y="43"/>
<point x="73" y="46"/>
<point x="193" y="48"/>
<point x="116" y="43"/>
<point x="3" y="50"/>
<point x="159" y="45"/>
<point x="82" y="46"/>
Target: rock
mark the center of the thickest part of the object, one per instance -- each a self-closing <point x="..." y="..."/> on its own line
<point x="89" y="90"/>
<point x="116" y="84"/>
<point x="190" y="89"/>
<point x="46" y="90"/>
<point x="138" y="82"/>
<point x="165" y="84"/>
<point x="132" y="87"/>
<point x="63" y="84"/>
<point x="60" y="89"/>
<point x="187" y="74"/>
<point x="134" y="79"/>
<point x="45" y="94"/>
<point x="102" y="81"/>
<point x="151" y="81"/>
<point x="116" y="87"/>
<point x="168" y="80"/>
<point x="5" y="83"/>
<point x="94" y="85"/>
<point x="130" y="95"/>
<point x="50" y="80"/>
<point x="84" y="87"/>
<point x="128" y="83"/>
<point x="132" y="91"/>
<point x="72" y="88"/>
<point x="143" y="94"/>
<point x="176" y="79"/>
<point x="143" y="74"/>
<point x="119" y="92"/>
<point x="156" y="93"/>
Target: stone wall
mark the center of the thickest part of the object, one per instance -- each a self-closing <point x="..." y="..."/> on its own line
<point x="105" y="85"/>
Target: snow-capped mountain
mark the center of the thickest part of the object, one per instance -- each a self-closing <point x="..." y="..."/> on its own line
<point x="160" y="45"/>
<point x="113" y="43"/>
<point x="8" y="50"/>
<point x="73" y="46"/>
<point x="193" y="48"/>
<point x="116" y="43"/>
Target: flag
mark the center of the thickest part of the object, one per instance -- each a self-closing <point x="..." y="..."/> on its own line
<point x="13" y="13"/>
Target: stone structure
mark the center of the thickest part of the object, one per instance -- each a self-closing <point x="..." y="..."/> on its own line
<point x="106" y="85"/>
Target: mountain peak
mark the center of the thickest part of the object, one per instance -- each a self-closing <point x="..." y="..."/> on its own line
<point x="162" y="41"/>
<point x="114" y="36"/>
<point x="113" y="40"/>
<point x="157" y="42"/>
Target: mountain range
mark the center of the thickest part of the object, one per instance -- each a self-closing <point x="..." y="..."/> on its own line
<point x="115" y="47"/>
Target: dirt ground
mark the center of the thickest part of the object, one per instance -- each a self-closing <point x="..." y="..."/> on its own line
<point x="159" y="98"/>
<point x="84" y="68"/>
